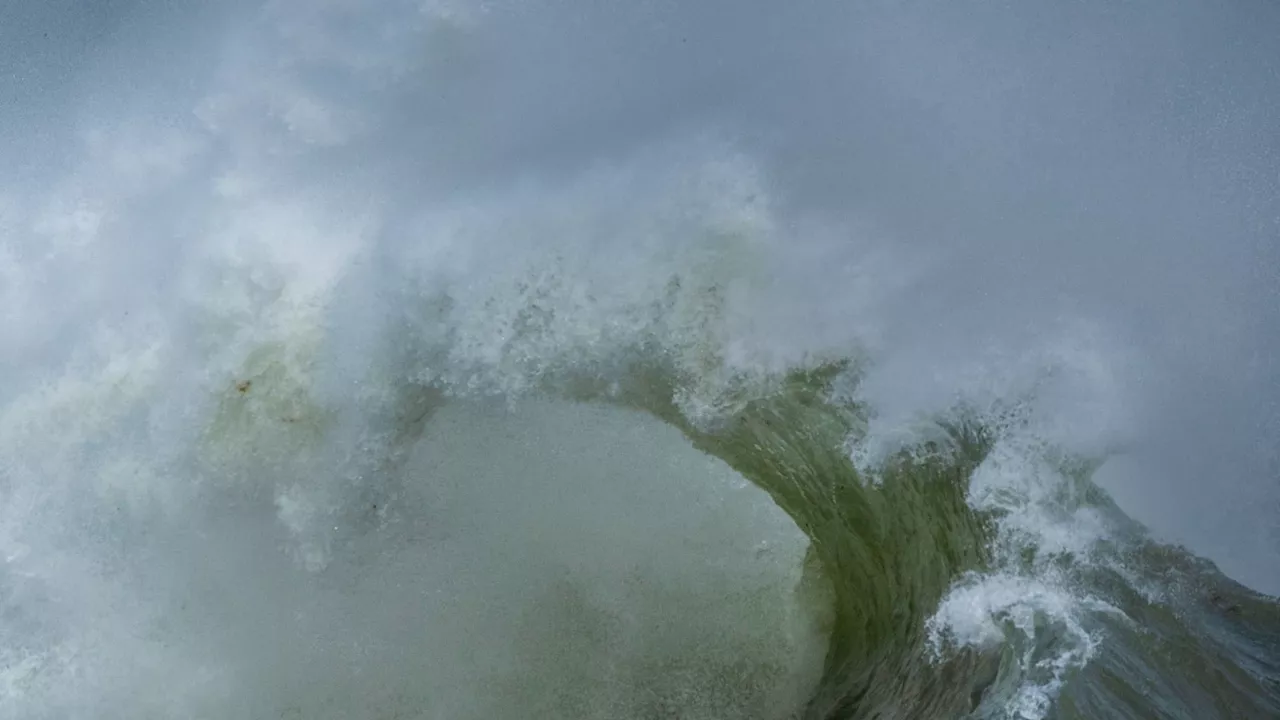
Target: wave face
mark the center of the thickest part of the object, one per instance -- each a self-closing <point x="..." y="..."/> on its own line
<point x="461" y="360"/>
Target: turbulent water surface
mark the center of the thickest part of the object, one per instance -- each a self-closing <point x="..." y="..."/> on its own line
<point x="551" y="359"/>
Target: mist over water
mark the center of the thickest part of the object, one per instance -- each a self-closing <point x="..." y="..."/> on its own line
<point x="1066" y="209"/>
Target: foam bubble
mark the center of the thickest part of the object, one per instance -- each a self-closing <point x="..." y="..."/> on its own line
<point x="1042" y="621"/>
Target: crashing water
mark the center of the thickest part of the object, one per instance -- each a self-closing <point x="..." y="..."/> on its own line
<point x="453" y="360"/>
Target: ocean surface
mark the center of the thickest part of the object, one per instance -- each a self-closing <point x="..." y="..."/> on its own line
<point x="711" y="360"/>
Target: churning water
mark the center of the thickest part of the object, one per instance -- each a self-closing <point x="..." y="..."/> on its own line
<point x="551" y="359"/>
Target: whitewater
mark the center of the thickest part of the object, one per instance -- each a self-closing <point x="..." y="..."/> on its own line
<point x="549" y="359"/>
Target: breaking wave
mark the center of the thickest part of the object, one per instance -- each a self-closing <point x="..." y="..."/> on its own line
<point x="607" y="444"/>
